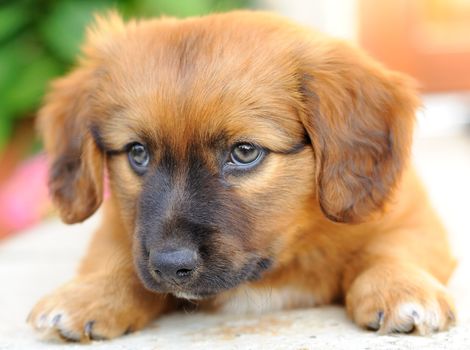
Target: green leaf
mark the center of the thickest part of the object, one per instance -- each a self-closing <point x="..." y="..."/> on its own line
<point x="12" y="17"/>
<point x="13" y="57"/>
<point x="25" y="94"/>
<point x="227" y="5"/>
<point x="24" y="70"/>
<point x="184" y="8"/>
<point x="64" y="28"/>
<point x="5" y="130"/>
<point x="8" y="68"/>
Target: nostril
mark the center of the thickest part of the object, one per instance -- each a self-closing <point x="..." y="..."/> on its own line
<point x="183" y="272"/>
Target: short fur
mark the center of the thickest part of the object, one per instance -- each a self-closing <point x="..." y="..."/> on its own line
<point x="334" y="212"/>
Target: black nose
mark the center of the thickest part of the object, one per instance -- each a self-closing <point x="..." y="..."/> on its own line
<point x="173" y="264"/>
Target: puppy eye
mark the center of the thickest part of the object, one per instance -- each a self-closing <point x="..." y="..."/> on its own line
<point x="139" y="157"/>
<point x="244" y="154"/>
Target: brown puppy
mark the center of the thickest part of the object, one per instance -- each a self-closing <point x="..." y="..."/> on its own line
<point x="247" y="158"/>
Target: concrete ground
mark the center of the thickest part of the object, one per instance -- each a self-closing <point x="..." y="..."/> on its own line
<point x="34" y="262"/>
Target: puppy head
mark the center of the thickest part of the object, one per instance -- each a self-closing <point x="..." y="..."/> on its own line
<point x="224" y="137"/>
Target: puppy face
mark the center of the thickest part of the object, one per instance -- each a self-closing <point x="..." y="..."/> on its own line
<point x="222" y="151"/>
<point x="224" y="139"/>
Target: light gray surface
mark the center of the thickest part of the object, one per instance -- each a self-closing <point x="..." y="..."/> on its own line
<point x="34" y="262"/>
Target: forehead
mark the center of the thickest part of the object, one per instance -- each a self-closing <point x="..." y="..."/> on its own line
<point x="189" y="80"/>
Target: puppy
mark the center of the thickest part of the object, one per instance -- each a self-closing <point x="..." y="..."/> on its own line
<point x="247" y="157"/>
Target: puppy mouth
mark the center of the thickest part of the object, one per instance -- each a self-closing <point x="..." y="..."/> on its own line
<point x="205" y="282"/>
<point x="191" y="296"/>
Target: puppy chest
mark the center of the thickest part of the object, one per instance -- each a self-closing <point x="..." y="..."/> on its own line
<point x="253" y="300"/>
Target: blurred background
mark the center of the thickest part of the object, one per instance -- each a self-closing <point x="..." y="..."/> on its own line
<point x="428" y="39"/>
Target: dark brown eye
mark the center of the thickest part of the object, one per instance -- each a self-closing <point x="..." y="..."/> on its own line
<point x="139" y="157"/>
<point x="246" y="154"/>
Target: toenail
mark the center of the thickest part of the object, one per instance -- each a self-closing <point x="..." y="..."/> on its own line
<point x="42" y="321"/>
<point x="88" y="329"/>
<point x="380" y="316"/>
<point x="415" y="316"/>
<point x="374" y="326"/>
<point x="56" y="319"/>
<point x="68" y="335"/>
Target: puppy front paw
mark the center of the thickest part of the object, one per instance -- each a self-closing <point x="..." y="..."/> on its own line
<point x="93" y="308"/>
<point x="407" y="301"/>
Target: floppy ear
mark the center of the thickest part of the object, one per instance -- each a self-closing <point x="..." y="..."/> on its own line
<point x="77" y="163"/>
<point x="359" y="117"/>
<point x="76" y="169"/>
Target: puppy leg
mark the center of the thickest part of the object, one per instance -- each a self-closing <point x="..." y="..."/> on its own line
<point x="396" y="285"/>
<point x="96" y="306"/>
<point x="105" y="300"/>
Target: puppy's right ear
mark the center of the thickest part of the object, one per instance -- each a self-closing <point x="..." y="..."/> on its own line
<point x="76" y="162"/>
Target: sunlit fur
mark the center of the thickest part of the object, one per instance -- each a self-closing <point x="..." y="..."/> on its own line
<point x="334" y="212"/>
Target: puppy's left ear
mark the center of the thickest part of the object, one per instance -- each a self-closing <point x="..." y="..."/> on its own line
<point x="76" y="169"/>
<point x="359" y="117"/>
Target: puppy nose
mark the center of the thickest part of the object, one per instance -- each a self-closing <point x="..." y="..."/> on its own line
<point x="173" y="264"/>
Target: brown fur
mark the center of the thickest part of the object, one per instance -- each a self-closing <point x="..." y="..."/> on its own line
<point x="344" y="218"/>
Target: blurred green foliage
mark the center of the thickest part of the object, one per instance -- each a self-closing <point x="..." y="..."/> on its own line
<point x="39" y="40"/>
